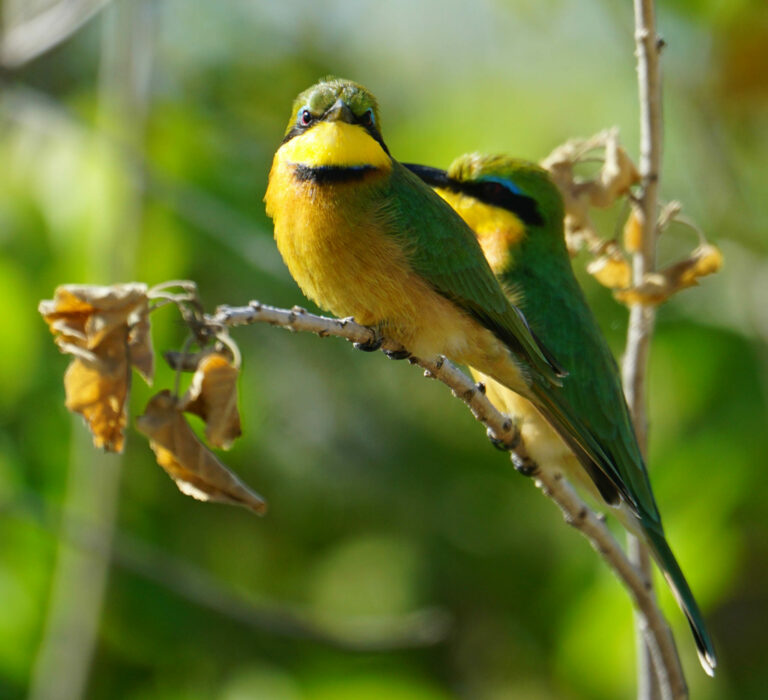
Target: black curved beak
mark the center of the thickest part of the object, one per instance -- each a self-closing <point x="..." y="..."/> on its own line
<point x="339" y="111"/>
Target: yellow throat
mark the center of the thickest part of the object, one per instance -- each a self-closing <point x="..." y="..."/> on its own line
<point x="336" y="144"/>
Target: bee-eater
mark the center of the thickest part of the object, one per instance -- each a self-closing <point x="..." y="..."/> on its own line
<point x="582" y="428"/>
<point x="365" y="237"/>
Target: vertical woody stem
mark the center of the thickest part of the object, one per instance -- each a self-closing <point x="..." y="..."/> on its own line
<point x="657" y="678"/>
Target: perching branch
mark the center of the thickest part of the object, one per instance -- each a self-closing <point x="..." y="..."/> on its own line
<point x="504" y="432"/>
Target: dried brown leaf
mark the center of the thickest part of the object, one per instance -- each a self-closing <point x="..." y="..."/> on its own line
<point x="616" y="176"/>
<point x="708" y="260"/>
<point x="654" y="290"/>
<point x="98" y="388"/>
<point x="86" y="314"/>
<point x="195" y="469"/>
<point x="611" y="271"/>
<point x="213" y="396"/>
<point x="140" y="351"/>
<point x="107" y="330"/>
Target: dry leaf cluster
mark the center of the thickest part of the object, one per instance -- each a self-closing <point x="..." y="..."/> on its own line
<point x="610" y="264"/>
<point x="195" y="469"/>
<point x="614" y="179"/>
<point x="107" y="331"/>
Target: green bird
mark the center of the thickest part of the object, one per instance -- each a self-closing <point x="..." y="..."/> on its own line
<point x="582" y="427"/>
<point x="365" y="237"/>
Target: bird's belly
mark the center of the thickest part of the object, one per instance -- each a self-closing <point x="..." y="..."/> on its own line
<point x="340" y="261"/>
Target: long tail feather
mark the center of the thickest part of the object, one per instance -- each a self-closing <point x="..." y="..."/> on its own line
<point x="682" y="592"/>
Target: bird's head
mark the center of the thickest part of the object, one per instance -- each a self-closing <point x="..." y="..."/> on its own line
<point x="337" y="123"/>
<point x="503" y="200"/>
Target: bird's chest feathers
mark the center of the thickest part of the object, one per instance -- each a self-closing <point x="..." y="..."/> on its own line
<point x="326" y="229"/>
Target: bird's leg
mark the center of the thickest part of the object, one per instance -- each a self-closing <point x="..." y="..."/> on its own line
<point x="397" y="354"/>
<point x="373" y="344"/>
<point x="524" y="465"/>
<point x="510" y="443"/>
<point x="498" y="443"/>
<point x="520" y="461"/>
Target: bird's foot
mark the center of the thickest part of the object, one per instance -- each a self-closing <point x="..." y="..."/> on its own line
<point x="524" y="465"/>
<point x="498" y="443"/>
<point x="370" y="345"/>
<point x="401" y="354"/>
<point x="512" y="441"/>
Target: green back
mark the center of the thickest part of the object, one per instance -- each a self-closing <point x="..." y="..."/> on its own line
<point x="444" y="251"/>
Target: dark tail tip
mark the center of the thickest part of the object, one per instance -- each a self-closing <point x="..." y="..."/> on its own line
<point x="684" y="596"/>
<point x="704" y="647"/>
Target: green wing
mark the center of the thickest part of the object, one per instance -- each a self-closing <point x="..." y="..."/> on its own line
<point x="589" y="409"/>
<point x="444" y="251"/>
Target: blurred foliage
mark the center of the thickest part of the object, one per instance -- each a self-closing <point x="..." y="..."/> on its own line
<point x="386" y="499"/>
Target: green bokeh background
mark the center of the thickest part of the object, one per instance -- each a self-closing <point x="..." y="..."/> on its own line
<point x="138" y="149"/>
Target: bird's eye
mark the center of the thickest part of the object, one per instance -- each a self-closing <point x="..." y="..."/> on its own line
<point x="305" y="117"/>
<point x="367" y="118"/>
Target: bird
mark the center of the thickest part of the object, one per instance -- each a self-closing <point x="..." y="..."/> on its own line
<point x="582" y="428"/>
<point x="365" y="238"/>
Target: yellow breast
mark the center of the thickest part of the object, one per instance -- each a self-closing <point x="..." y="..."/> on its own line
<point x="327" y="232"/>
<point x="498" y="231"/>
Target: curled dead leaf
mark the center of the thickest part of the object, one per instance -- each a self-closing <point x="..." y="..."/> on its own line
<point x="611" y="271"/>
<point x="213" y="396"/>
<point x="195" y="469"/>
<point x="654" y="290"/>
<point x="86" y="314"/>
<point x="97" y="386"/>
<point x="107" y="330"/>
<point x="707" y="261"/>
<point x="616" y="176"/>
<point x="140" y="352"/>
<point x="659" y="286"/>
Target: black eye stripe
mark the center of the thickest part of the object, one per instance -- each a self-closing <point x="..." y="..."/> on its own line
<point x="494" y="193"/>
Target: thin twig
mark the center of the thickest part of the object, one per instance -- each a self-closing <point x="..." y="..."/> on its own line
<point x="503" y="431"/>
<point x="25" y="40"/>
<point x="668" y="680"/>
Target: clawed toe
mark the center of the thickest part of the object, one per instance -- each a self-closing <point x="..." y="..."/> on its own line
<point x="370" y="345"/>
<point x="498" y="444"/>
<point x="397" y="354"/>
